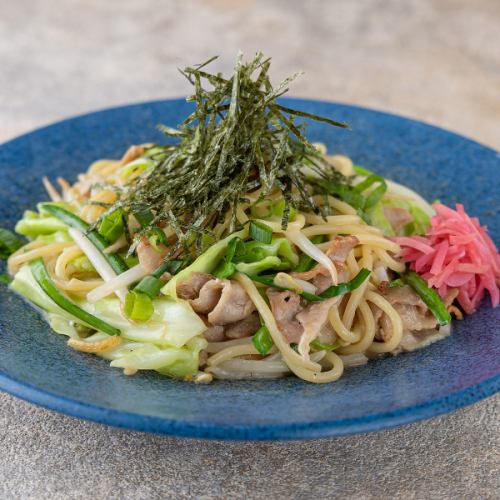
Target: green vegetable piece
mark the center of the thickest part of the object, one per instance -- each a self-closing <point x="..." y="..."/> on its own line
<point x="157" y="237"/>
<point x="205" y="263"/>
<point x="253" y="251"/>
<point x="270" y="262"/>
<point x="82" y="264"/>
<point x="333" y="291"/>
<point x="343" y="288"/>
<point x="112" y="226"/>
<point x="395" y="283"/>
<point x="316" y="344"/>
<point x="131" y="260"/>
<point x="362" y="171"/>
<point x="150" y="286"/>
<point x="143" y="215"/>
<point x="138" y="306"/>
<point x="40" y="226"/>
<point x="260" y="232"/>
<point x="262" y="340"/>
<point x="43" y="279"/>
<point x="9" y="243"/>
<point x="262" y="209"/>
<point x="429" y="296"/>
<point x="99" y="241"/>
<point x="278" y="210"/>
<point x="227" y="268"/>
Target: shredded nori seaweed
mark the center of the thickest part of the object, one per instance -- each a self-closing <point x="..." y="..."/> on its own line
<point x="238" y="139"/>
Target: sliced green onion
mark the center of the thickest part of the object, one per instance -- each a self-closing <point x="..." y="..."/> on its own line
<point x="138" y="306"/>
<point x="260" y="232"/>
<point x="429" y="296"/>
<point x="157" y="237"/>
<point x="262" y="340"/>
<point x="152" y="284"/>
<point x="369" y="181"/>
<point x="169" y="266"/>
<point x="9" y="243"/>
<point x="306" y="263"/>
<point x="31" y="226"/>
<point x="111" y="226"/>
<point x="99" y="241"/>
<point x="333" y="291"/>
<point x="47" y="285"/>
<point x="395" y="283"/>
<point x="143" y="215"/>
<point x="278" y="209"/>
<point x="361" y="170"/>
<point x="324" y="347"/>
<point x="343" y="288"/>
<point x="376" y="195"/>
<point x="131" y="261"/>
<point x="262" y="209"/>
<point x="227" y="268"/>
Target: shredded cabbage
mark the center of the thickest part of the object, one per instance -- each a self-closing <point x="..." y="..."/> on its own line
<point x="169" y="343"/>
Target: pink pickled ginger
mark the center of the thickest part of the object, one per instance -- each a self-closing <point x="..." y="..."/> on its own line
<point x="457" y="253"/>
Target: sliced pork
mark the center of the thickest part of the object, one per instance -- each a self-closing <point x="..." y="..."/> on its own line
<point x="150" y="257"/>
<point x="243" y="328"/>
<point x="190" y="288"/>
<point x="414" y="313"/>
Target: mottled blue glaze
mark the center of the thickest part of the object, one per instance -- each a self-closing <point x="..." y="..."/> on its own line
<point x="36" y="364"/>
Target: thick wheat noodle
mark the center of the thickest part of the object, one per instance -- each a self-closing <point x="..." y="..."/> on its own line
<point x="46" y="250"/>
<point x="67" y="255"/>
<point x="90" y="213"/>
<point x="352" y="264"/>
<point x="339" y="327"/>
<point x="388" y="261"/>
<point x="214" y="347"/>
<point x="231" y="352"/>
<point x="292" y="359"/>
<point x="355" y="229"/>
<point x="340" y="206"/>
<point x="357" y="295"/>
<point x="396" y="322"/>
<point x="29" y="246"/>
<point x="98" y="166"/>
<point x="78" y="286"/>
<point x="319" y="377"/>
<point x="332" y="219"/>
<point x="366" y="331"/>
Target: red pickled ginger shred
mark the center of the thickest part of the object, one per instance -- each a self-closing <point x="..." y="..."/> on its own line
<point x="457" y="253"/>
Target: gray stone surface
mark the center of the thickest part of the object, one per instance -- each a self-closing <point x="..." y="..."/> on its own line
<point x="436" y="60"/>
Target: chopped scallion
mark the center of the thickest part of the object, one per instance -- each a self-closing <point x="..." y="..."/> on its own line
<point x="47" y="285"/>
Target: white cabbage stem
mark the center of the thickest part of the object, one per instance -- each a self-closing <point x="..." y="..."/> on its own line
<point x="121" y="281"/>
<point x="100" y="264"/>
<point x="396" y="189"/>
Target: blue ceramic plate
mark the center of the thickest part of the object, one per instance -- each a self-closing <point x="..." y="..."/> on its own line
<point x="36" y="364"/>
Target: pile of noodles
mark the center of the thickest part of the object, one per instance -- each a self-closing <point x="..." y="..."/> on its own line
<point x="351" y="317"/>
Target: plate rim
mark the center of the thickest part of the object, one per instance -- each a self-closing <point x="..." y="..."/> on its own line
<point x="308" y="430"/>
<point x="294" y="431"/>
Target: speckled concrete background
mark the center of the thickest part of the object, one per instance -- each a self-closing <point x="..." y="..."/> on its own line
<point x="436" y="60"/>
